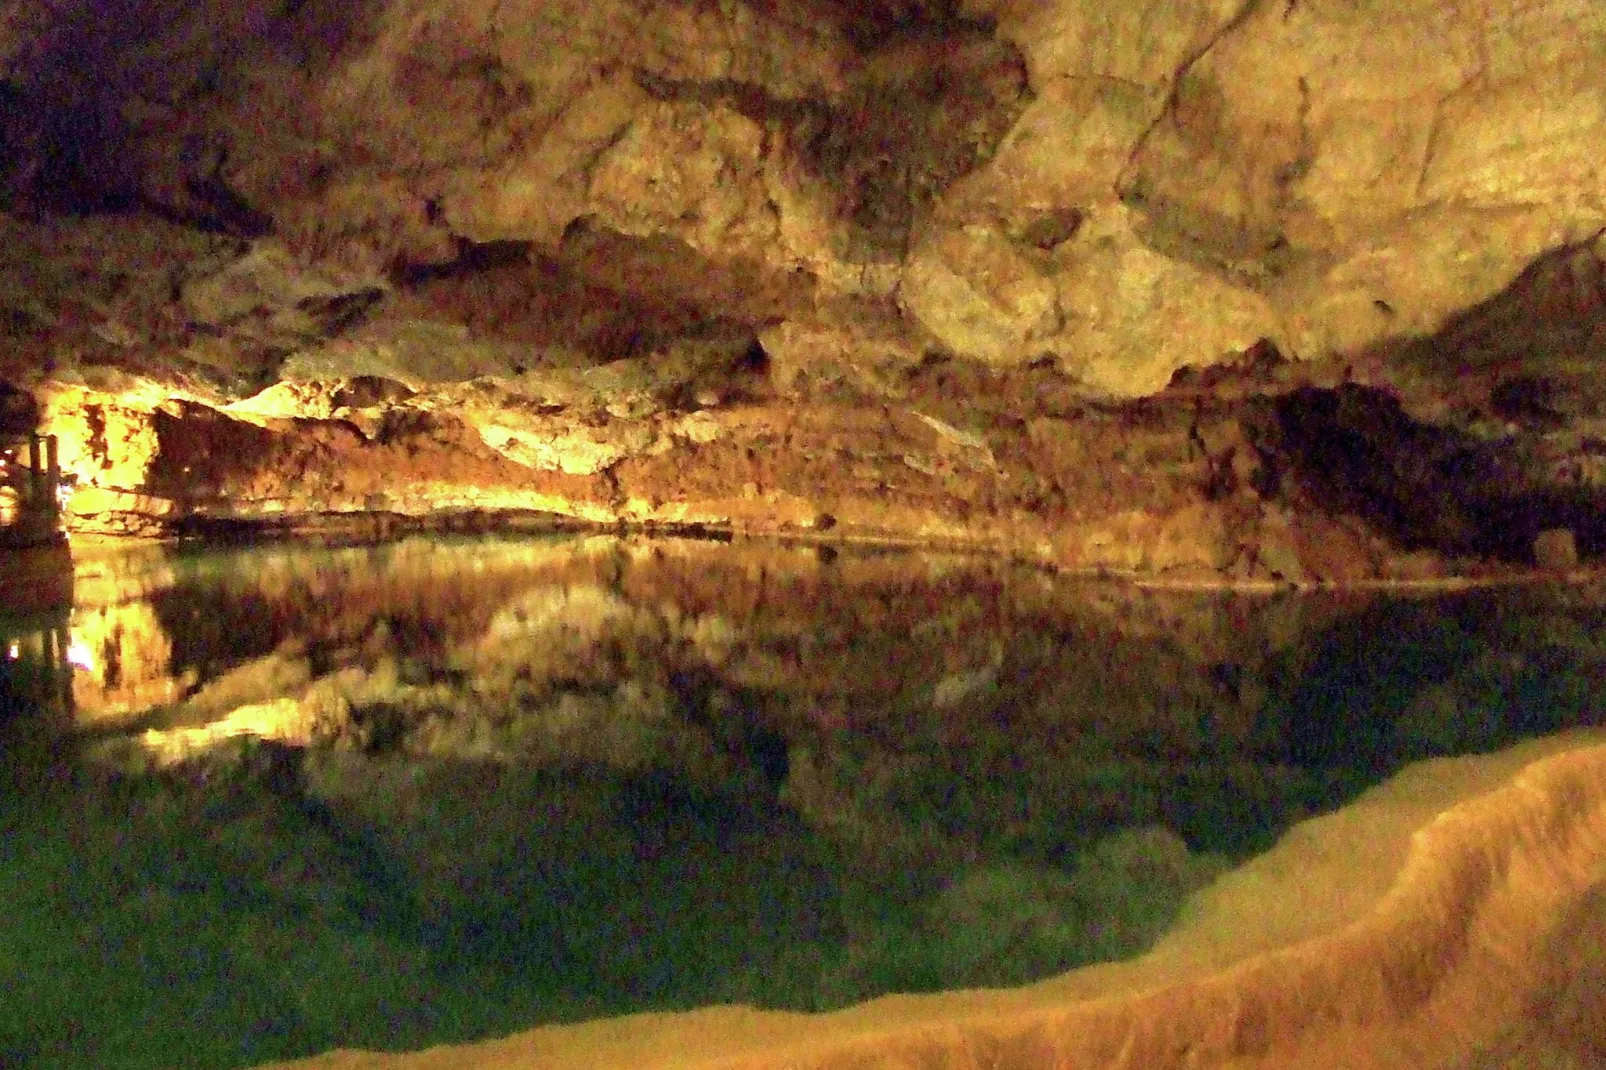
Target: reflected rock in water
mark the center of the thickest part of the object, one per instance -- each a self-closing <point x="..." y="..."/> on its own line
<point x="37" y="660"/>
<point x="123" y="657"/>
<point x="599" y="775"/>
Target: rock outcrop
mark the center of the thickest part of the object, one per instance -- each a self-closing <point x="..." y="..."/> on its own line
<point x="689" y="262"/>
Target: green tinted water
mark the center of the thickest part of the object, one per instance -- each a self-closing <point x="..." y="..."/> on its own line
<point x="261" y="802"/>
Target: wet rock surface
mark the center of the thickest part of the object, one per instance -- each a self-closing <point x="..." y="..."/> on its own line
<point x="1394" y="468"/>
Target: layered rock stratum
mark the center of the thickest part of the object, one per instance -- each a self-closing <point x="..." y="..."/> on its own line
<point x="1039" y="276"/>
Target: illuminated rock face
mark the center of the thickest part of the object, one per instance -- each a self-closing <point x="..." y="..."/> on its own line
<point x="1315" y="161"/>
<point x="1299" y="291"/>
<point x="724" y="264"/>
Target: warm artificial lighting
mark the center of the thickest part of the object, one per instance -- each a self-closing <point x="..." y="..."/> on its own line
<point x="14" y="652"/>
<point x="8" y="495"/>
<point x="28" y="516"/>
<point x="79" y="657"/>
<point x="123" y="655"/>
<point x="285" y="720"/>
<point x="106" y="438"/>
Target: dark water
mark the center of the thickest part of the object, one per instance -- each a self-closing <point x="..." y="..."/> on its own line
<point x="264" y="802"/>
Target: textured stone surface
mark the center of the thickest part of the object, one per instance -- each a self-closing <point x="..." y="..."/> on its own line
<point x="1311" y="161"/>
<point x="981" y="297"/>
<point x="700" y="262"/>
<point x="1134" y="316"/>
<point x="1207" y="291"/>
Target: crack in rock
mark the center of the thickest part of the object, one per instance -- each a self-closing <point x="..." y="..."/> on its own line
<point x="1123" y="181"/>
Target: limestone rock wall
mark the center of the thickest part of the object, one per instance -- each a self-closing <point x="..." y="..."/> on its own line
<point x="1127" y="191"/>
<point x="732" y="262"/>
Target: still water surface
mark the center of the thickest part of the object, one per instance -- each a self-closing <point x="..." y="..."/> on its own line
<point x="261" y="802"/>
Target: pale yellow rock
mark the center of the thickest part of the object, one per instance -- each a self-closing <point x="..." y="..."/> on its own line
<point x="1068" y="148"/>
<point x="1412" y="135"/>
<point x="570" y="449"/>
<point x="535" y="195"/>
<point x="811" y="234"/>
<point x="802" y="354"/>
<point x="266" y="277"/>
<point x="416" y="352"/>
<point x="1212" y="169"/>
<point x="1368" y="171"/>
<point x="982" y="296"/>
<point x="1538" y="139"/>
<point x="288" y="397"/>
<point x="696" y="174"/>
<point x="1184" y="179"/>
<point x="1432" y="265"/>
<point x="1133" y="316"/>
<point x="1101" y="75"/>
<point x="1142" y="42"/>
<point x="1293" y="145"/>
<point x="113" y="459"/>
<point x="1193" y="537"/>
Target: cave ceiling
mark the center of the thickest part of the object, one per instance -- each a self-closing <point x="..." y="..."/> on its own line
<point x="1094" y="201"/>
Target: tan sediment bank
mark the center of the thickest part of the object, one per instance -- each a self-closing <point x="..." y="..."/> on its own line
<point x="1453" y="916"/>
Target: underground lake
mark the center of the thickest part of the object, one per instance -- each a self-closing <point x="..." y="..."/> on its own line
<point x="264" y="801"/>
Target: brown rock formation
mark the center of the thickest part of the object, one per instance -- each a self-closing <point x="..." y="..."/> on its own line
<point x="760" y="264"/>
<point x="1209" y="291"/>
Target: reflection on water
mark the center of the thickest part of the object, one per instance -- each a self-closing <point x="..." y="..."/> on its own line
<point x="39" y="659"/>
<point x="124" y="661"/>
<point x="396" y="795"/>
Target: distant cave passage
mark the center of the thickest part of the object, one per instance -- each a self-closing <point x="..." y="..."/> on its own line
<point x="1355" y="450"/>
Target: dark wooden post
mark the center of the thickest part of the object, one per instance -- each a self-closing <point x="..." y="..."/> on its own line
<point x="36" y="474"/>
<point x="52" y="482"/>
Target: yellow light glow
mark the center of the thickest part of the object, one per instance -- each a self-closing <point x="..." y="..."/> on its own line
<point x="105" y="438"/>
<point x="124" y="658"/>
<point x="14" y="652"/>
<point x="285" y="720"/>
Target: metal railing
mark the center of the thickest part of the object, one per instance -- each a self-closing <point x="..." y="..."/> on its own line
<point x="30" y="487"/>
